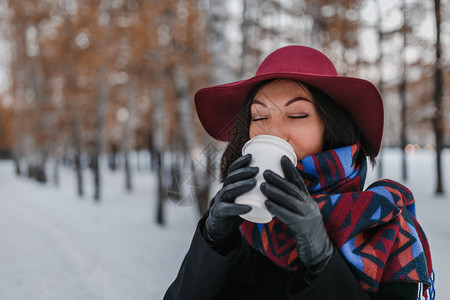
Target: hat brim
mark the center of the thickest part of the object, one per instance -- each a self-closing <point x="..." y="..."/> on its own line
<point x="218" y="106"/>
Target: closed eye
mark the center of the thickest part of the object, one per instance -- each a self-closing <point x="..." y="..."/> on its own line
<point x="299" y="117"/>
<point x="258" y="119"/>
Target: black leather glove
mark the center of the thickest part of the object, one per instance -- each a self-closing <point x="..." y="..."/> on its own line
<point x="223" y="219"/>
<point x="290" y="201"/>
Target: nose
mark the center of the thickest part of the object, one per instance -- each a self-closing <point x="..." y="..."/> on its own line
<point x="278" y="132"/>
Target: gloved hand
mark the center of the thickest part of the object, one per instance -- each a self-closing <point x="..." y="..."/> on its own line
<point x="223" y="219"/>
<point x="290" y="201"/>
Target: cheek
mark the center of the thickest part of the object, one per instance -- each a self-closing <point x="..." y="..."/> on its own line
<point x="316" y="138"/>
<point x="256" y="128"/>
<point x="308" y="140"/>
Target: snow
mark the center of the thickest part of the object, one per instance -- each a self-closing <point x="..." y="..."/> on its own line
<point x="54" y="245"/>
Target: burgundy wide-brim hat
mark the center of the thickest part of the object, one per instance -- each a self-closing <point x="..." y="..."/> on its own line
<point x="218" y="106"/>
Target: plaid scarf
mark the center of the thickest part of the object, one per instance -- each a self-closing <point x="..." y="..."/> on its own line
<point x="375" y="230"/>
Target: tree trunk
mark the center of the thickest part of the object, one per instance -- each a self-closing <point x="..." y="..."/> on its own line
<point x="438" y="123"/>
<point x="161" y="195"/>
<point x="205" y="185"/>
<point x="152" y="153"/>
<point x="185" y="139"/>
<point x="41" y="175"/>
<point x="402" y="92"/>
<point x="128" y="185"/>
<point x="219" y="45"/>
<point x="403" y="138"/>
<point x="112" y="161"/>
<point x="42" y="128"/>
<point x="96" y="172"/>
<point x="56" y="172"/>
<point x="75" y="125"/>
<point x="159" y="146"/>
<point x="128" y="132"/>
<point x="16" y="165"/>
<point x="175" y="189"/>
<point x="380" y="70"/>
<point x="37" y="172"/>
<point x="138" y="161"/>
<point x="245" y="29"/>
<point x="100" y="111"/>
<point x="72" y="108"/>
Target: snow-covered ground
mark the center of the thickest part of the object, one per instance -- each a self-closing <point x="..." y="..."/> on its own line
<point x="54" y="245"/>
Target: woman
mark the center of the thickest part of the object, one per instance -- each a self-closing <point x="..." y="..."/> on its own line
<point x="329" y="239"/>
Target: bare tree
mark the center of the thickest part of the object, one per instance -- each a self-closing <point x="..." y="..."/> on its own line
<point x="75" y="125"/>
<point x="101" y="101"/>
<point x="379" y="63"/>
<point x="219" y="43"/>
<point x="402" y="91"/>
<point x="71" y="108"/>
<point x="129" y="132"/>
<point x="159" y="145"/>
<point x="438" y="122"/>
<point x="245" y="29"/>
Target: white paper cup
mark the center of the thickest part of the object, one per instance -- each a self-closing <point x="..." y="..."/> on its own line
<point x="266" y="151"/>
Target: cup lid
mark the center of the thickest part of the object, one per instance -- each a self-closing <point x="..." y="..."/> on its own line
<point x="266" y="138"/>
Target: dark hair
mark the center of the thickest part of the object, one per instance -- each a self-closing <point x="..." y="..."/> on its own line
<point x="339" y="129"/>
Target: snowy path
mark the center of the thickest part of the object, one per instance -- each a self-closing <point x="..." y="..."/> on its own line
<point x="55" y="246"/>
<point x="43" y="249"/>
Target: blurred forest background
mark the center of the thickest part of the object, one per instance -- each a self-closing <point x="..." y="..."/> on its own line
<point x="108" y="85"/>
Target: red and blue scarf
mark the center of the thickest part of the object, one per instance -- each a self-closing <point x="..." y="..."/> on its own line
<point x="375" y="229"/>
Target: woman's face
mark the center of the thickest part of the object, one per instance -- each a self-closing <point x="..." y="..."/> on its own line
<point x="285" y="108"/>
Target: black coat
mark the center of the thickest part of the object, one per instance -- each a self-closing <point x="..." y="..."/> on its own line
<point x="240" y="272"/>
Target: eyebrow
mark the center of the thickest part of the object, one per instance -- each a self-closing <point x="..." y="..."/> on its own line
<point x="297" y="99"/>
<point x="287" y="103"/>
